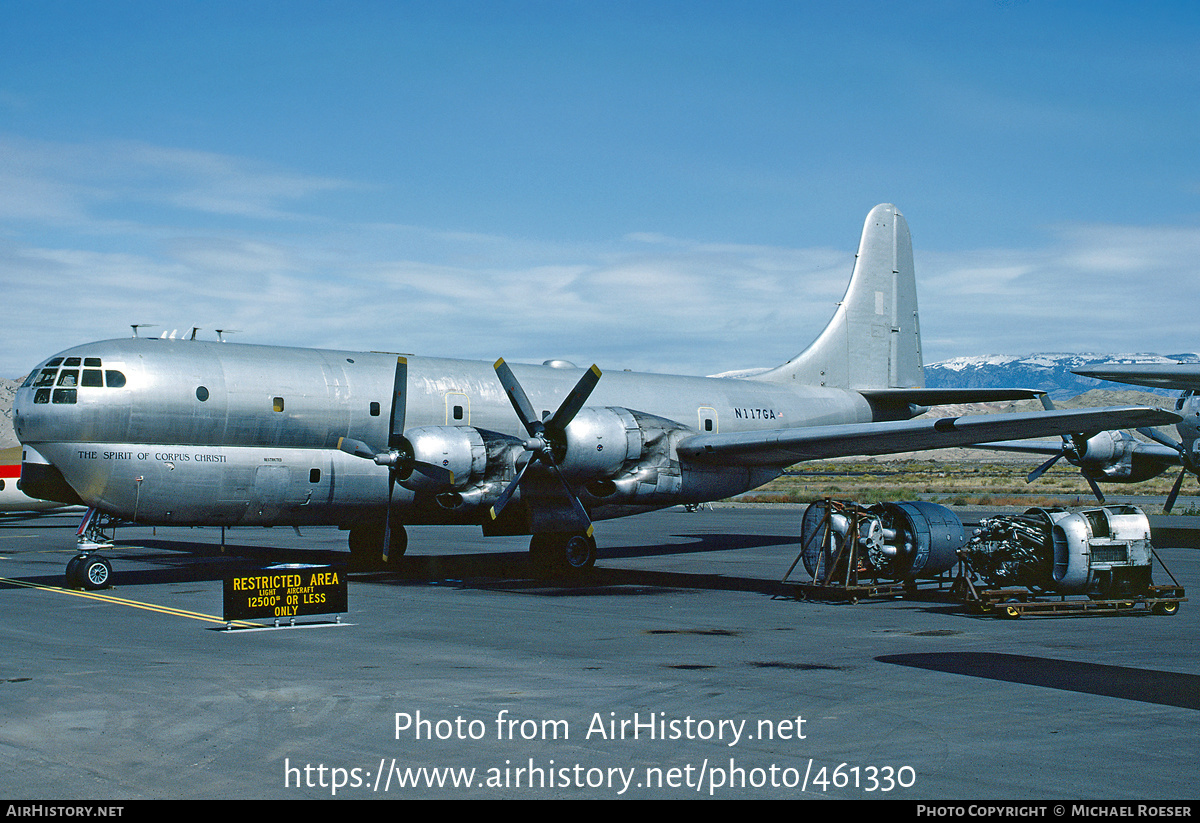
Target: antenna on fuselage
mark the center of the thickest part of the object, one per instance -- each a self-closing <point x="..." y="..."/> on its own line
<point x="194" y="330"/>
<point x="136" y="326"/>
<point x="221" y="332"/>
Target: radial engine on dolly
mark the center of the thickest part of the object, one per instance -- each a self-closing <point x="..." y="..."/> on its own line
<point x="846" y="542"/>
<point x="1102" y="552"/>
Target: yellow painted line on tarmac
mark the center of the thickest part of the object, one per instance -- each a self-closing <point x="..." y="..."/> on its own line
<point x="134" y="604"/>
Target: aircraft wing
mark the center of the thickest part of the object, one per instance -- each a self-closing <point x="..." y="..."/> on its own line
<point x="1163" y="376"/>
<point x="783" y="447"/>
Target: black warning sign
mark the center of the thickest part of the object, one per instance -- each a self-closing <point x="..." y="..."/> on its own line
<point x="285" y="591"/>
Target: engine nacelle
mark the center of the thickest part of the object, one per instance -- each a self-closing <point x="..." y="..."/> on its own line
<point x="600" y="441"/>
<point x="1113" y="457"/>
<point x="462" y="450"/>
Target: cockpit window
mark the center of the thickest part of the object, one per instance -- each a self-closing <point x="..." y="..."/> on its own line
<point x="68" y="378"/>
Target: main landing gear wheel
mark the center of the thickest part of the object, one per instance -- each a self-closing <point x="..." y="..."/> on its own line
<point x="89" y="572"/>
<point x="366" y="540"/>
<point x="558" y="553"/>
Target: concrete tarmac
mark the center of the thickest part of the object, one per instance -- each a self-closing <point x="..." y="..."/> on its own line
<point x="682" y="668"/>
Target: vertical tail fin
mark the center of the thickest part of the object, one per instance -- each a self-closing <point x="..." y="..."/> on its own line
<point x="874" y="338"/>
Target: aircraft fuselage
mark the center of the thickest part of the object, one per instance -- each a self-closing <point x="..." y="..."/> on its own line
<point x="196" y="433"/>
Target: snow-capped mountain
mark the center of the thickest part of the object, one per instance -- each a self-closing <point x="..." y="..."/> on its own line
<point x="1050" y="372"/>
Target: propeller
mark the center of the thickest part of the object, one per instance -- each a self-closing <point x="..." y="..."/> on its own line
<point x="1074" y="446"/>
<point x="547" y="443"/>
<point x="399" y="456"/>
<point x="1163" y="440"/>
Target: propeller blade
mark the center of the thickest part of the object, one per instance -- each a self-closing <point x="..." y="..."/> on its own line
<point x="387" y="515"/>
<point x="1161" y="439"/>
<point x="1040" y="470"/>
<point x="356" y="448"/>
<point x="1067" y="442"/>
<point x="507" y="494"/>
<point x="1095" y="488"/>
<point x="580" y="511"/>
<point x="399" y="402"/>
<point x="1174" y="492"/>
<point x="520" y="402"/>
<point x="575" y="400"/>
<point x="436" y="473"/>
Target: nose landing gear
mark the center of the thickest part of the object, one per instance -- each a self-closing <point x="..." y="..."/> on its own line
<point x="87" y="569"/>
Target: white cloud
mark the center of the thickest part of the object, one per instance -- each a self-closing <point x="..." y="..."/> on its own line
<point x="91" y="250"/>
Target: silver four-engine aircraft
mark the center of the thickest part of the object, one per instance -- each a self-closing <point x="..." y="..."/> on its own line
<point x="185" y="432"/>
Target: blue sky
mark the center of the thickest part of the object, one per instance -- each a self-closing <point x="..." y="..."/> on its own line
<point x="667" y="186"/>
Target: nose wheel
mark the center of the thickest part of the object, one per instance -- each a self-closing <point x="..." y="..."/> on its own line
<point x="89" y="571"/>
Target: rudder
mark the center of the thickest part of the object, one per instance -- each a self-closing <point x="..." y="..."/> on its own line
<point x="873" y="340"/>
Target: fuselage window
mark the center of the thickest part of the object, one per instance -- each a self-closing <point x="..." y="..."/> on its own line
<point x="41" y="396"/>
<point x="64" y="396"/>
<point x="314" y="475"/>
<point x="201" y="393"/>
<point x="374" y="408"/>
<point x="93" y="378"/>
<point x="68" y="377"/>
<point x="54" y="363"/>
<point x="92" y="362"/>
<point x="114" y="379"/>
<point x="458" y="412"/>
<point x="277" y="404"/>
<point x="71" y="361"/>
<point x="46" y="378"/>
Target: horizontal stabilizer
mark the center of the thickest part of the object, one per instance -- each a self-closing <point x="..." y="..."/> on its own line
<point x="1162" y="376"/>
<point x="787" y="446"/>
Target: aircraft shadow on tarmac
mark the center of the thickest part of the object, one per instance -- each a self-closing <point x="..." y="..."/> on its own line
<point x="1145" y="685"/>
<point x="184" y="561"/>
